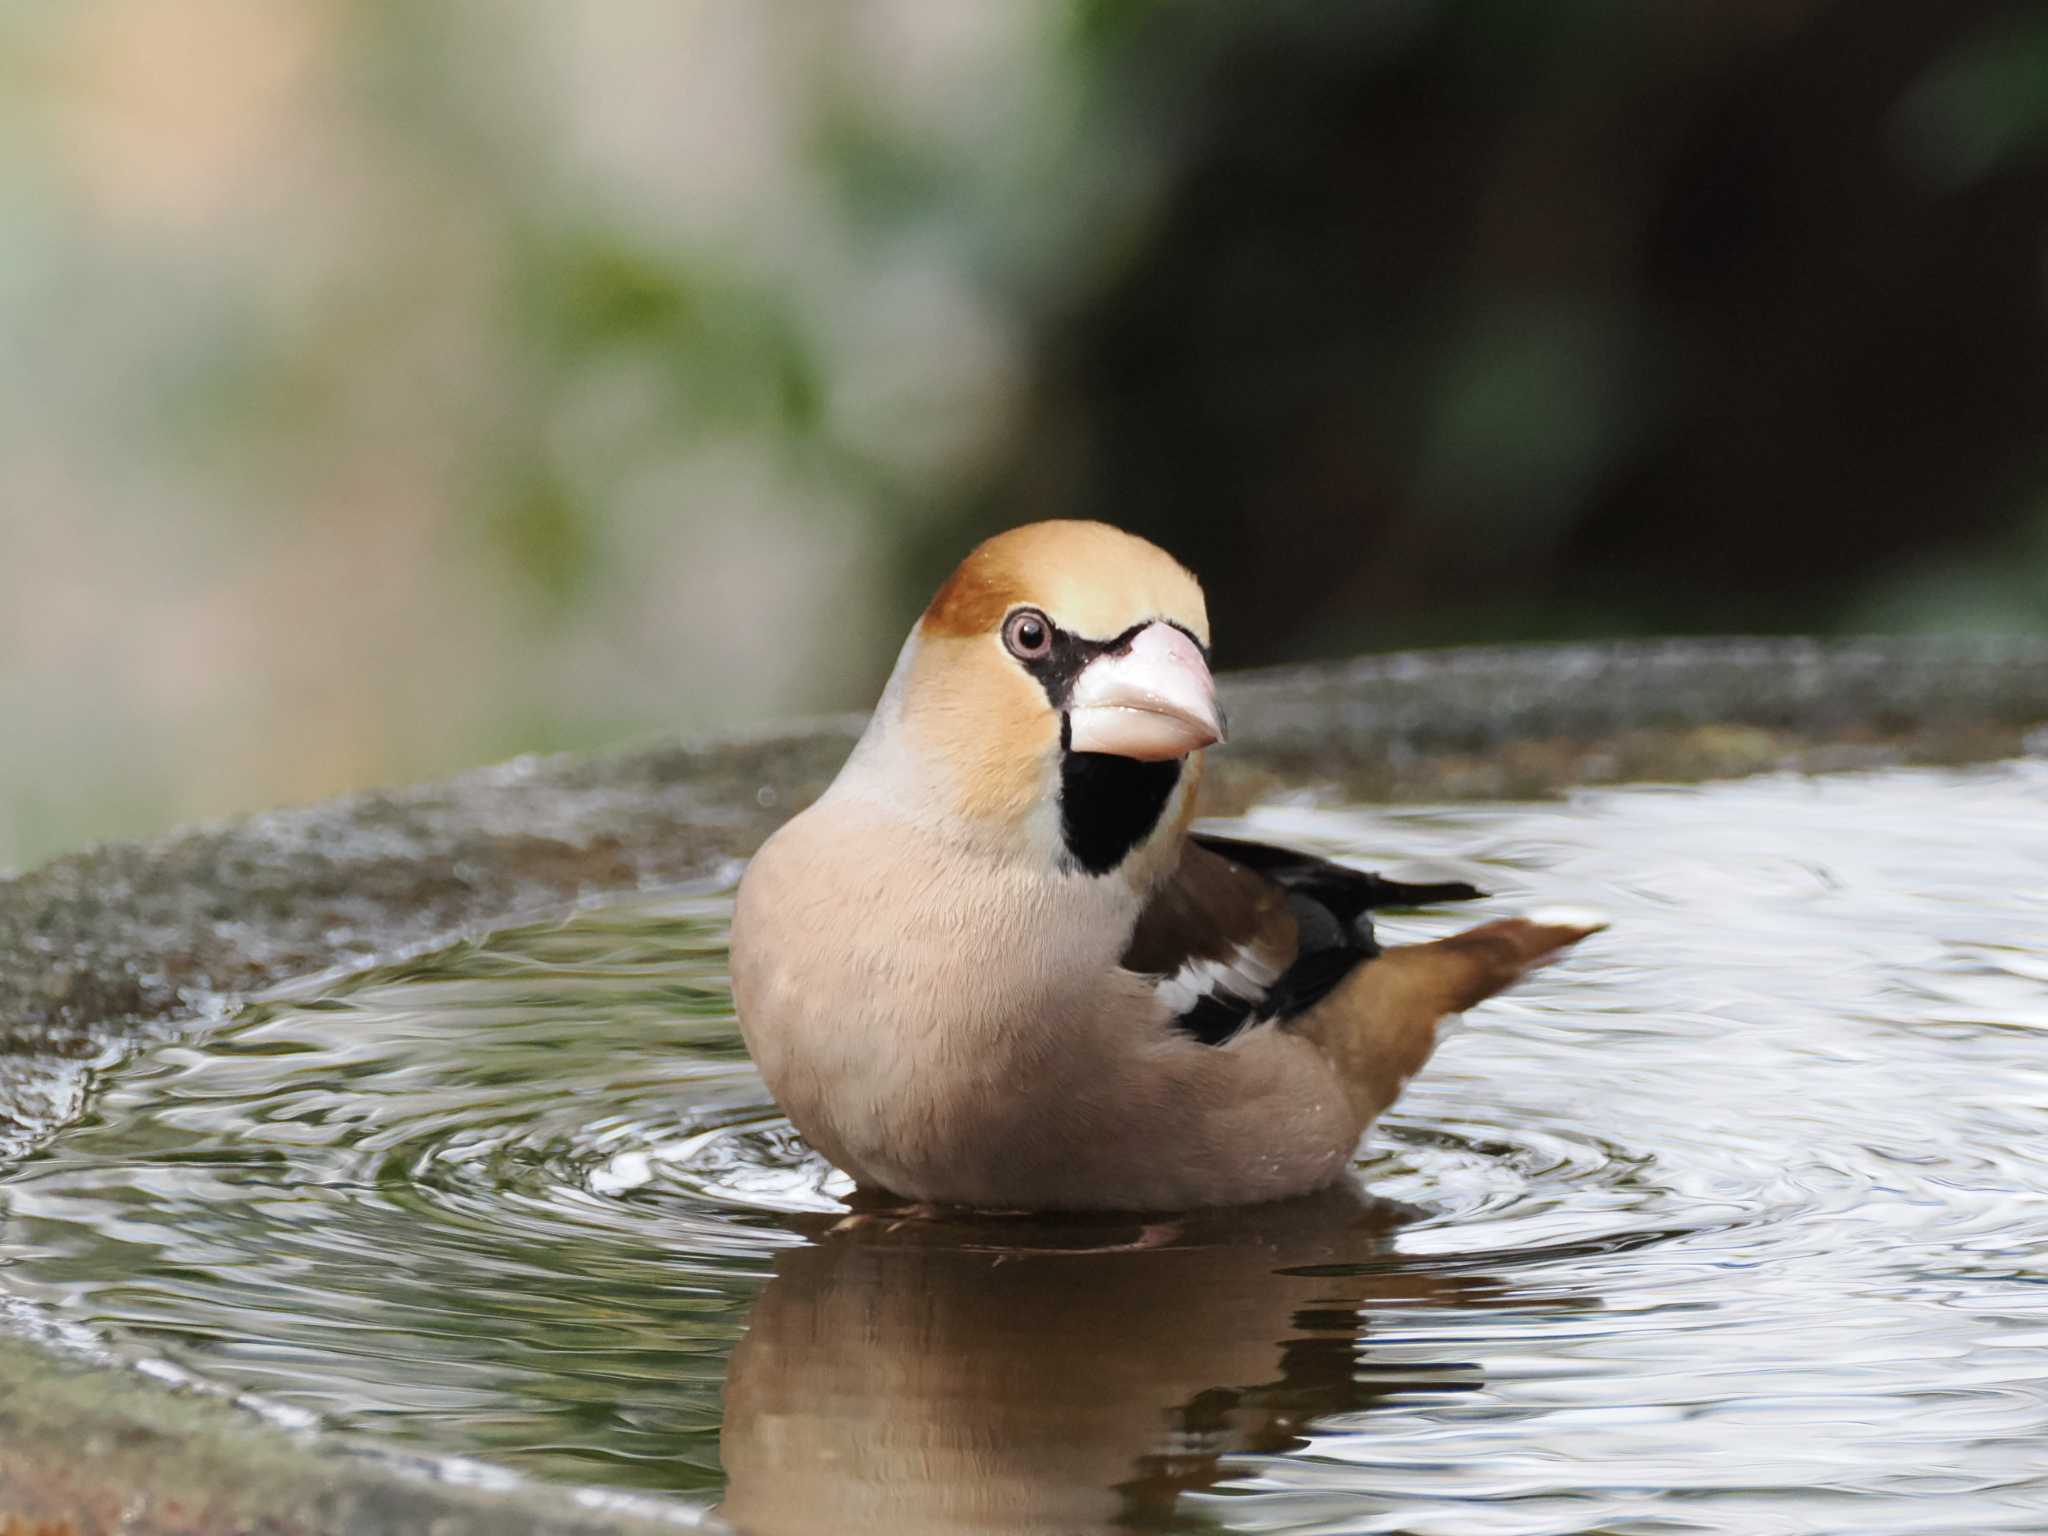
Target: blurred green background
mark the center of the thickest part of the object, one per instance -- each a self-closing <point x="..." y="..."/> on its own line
<point x="388" y="386"/>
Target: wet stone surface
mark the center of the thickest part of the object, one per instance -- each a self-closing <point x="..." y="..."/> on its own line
<point x="129" y="933"/>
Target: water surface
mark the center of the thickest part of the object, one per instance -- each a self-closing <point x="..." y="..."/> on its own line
<point x="1733" y="1222"/>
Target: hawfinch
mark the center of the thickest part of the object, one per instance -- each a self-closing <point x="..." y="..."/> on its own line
<point x="992" y="966"/>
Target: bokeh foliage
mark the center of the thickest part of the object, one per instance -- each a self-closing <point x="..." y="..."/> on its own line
<point x="392" y="387"/>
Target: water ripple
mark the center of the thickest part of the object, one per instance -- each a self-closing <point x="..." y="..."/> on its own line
<point x="1731" y="1223"/>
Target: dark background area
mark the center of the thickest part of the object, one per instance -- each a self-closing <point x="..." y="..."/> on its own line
<point x="1482" y="321"/>
<point x="388" y="389"/>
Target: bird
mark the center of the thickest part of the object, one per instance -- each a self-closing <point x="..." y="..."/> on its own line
<point x="995" y="966"/>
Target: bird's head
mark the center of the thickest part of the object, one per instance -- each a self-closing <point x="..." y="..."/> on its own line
<point x="1056" y="693"/>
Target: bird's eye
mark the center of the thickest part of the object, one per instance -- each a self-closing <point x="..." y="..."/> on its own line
<point x="1028" y="634"/>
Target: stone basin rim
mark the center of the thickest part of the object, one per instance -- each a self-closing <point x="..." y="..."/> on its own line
<point x="123" y="934"/>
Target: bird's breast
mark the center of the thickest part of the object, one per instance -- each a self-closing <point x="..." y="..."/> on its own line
<point x="909" y="1005"/>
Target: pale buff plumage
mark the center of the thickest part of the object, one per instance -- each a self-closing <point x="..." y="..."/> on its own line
<point x="933" y="991"/>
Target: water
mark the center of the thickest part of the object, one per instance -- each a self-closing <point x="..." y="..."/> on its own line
<point x="1734" y="1222"/>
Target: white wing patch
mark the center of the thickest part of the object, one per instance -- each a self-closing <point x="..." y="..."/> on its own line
<point x="1245" y="976"/>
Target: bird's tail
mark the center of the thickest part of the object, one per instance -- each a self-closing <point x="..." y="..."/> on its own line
<point x="1384" y="1022"/>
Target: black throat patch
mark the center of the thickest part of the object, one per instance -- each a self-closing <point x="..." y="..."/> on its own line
<point x="1109" y="804"/>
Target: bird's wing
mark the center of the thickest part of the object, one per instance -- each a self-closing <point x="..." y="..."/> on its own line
<point x="1348" y="894"/>
<point x="1244" y="932"/>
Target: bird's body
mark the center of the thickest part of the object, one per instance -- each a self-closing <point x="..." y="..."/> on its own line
<point x="990" y="967"/>
<point x="988" y="1049"/>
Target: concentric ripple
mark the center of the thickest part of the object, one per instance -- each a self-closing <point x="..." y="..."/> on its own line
<point x="1733" y="1222"/>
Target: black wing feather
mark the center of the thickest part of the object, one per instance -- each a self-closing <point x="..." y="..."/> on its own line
<point x="1334" y="936"/>
<point x="1347" y="894"/>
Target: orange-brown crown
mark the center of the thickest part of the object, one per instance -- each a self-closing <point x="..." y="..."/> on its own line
<point x="1090" y="578"/>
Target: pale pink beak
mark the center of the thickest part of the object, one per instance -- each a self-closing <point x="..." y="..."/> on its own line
<point x="1151" y="702"/>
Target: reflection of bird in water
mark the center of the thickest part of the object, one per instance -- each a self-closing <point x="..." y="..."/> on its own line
<point x="1024" y="1374"/>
